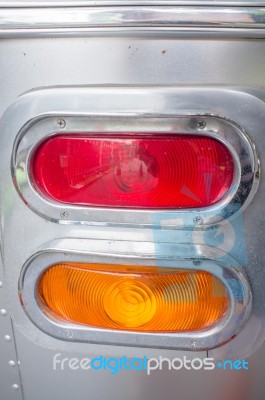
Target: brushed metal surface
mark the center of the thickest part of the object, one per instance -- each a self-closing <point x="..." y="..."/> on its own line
<point x="34" y="62"/>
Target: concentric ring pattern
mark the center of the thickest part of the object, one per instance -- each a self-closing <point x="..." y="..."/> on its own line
<point x="133" y="170"/>
<point x="136" y="298"/>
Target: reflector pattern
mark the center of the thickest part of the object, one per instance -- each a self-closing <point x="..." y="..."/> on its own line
<point x="133" y="170"/>
<point x="133" y="298"/>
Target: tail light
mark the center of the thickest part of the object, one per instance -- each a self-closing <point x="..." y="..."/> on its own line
<point x="132" y="297"/>
<point x="133" y="170"/>
<point x="153" y="159"/>
<point x="103" y="294"/>
<point x="133" y="167"/>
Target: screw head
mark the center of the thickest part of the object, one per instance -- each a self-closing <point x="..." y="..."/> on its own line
<point x="197" y="220"/>
<point x="61" y="123"/>
<point x="64" y="214"/>
<point x="201" y="124"/>
<point x="68" y="334"/>
<point x="193" y="344"/>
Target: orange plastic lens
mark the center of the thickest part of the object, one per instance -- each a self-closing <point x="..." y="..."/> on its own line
<point x="133" y="298"/>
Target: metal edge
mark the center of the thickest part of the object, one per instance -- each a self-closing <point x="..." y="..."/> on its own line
<point x="132" y="19"/>
<point x="99" y="3"/>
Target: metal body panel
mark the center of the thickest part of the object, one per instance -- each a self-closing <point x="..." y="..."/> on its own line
<point x="27" y="64"/>
<point x="134" y="61"/>
<point x="168" y="385"/>
<point x="11" y="387"/>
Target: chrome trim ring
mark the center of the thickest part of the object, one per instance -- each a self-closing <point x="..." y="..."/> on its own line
<point x="233" y="279"/>
<point x="124" y="118"/>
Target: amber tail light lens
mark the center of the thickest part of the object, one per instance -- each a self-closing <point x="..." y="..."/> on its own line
<point x="134" y="298"/>
<point x="133" y="170"/>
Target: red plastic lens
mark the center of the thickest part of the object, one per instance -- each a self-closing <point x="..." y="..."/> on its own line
<point x="133" y="170"/>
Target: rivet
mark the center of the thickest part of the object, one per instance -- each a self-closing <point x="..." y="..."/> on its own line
<point x="11" y="363"/>
<point x="1" y="284"/>
<point x="7" y="338"/>
<point x="3" y="312"/>
<point x="15" y="386"/>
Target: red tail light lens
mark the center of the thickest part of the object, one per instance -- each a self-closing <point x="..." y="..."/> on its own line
<point x="133" y="170"/>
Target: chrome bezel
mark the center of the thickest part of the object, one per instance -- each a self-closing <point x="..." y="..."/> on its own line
<point x="122" y="117"/>
<point x="226" y="328"/>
